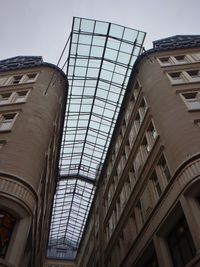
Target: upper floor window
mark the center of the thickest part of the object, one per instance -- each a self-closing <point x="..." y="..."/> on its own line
<point x="7" y="223"/>
<point x="192" y="100"/>
<point x="18" y="79"/>
<point x="194" y="74"/>
<point x="13" y="97"/>
<point x="164" y="60"/>
<point x="180" y="77"/>
<point x="176" y="77"/>
<point x="6" y="121"/>
<point x="175" y="60"/>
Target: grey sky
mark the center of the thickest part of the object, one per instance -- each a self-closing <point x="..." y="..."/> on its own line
<point x="41" y="27"/>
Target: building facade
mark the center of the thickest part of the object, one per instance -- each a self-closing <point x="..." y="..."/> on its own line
<point x="146" y="210"/>
<point x="32" y="106"/>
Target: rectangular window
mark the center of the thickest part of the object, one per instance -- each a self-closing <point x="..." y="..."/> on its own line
<point x="163" y="165"/>
<point x="6" y="121"/>
<point x="151" y="129"/>
<point x="136" y="89"/>
<point x="18" y="79"/>
<point x="140" y="212"/>
<point x="181" y="59"/>
<point x="13" y="97"/>
<point x="176" y="77"/>
<point x="156" y="184"/>
<point x="180" y="243"/>
<point x="29" y="78"/>
<point x="146" y="145"/>
<point x="142" y="108"/>
<point x="194" y="74"/>
<point x="3" y="80"/>
<point x="192" y="100"/>
<point x="164" y="60"/>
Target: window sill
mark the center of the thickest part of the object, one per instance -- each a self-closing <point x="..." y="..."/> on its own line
<point x="12" y="104"/>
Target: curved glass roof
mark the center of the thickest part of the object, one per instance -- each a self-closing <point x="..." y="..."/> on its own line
<point x="101" y="57"/>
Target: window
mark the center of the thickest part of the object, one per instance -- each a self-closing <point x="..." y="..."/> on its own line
<point x="194" y="74"/>
<point x="29" y="78"/>
<point x="156" y="184"/>
<point x="3" y="80"/>
<point x="142" y="108"/>
<point x="136" y="89"/>
<point x="7" y="223"/>
<point x="165" y="60"/>
<point x="163" y="165"/>
<point x="180" y="243"/>
<point x="180" y="77"/>
<point x="181" y="59"/>
<point x="146" y="145"/>
<point x="192" y="100"/>
<point x="197" y="122"/>
<point x="140" y="212"/>
<point x="6" y="121"/>
<point x="176" y="77"/>
<point x="13" y="97"/>
<point x="174" y="60"/>
<point x="18" y="79"/>
<point x="152" y="131"/>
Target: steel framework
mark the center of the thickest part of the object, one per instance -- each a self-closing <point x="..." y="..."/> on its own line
<point x="100" y="61"/>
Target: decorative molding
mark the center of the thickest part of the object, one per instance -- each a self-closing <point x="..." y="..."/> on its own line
<point x="19" y="191"/>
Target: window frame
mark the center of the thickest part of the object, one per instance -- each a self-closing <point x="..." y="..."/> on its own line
<point x="10" y="79"/>
<point x="189" y="101"/>
<point x="13" y="96"/>
<point x="2" y="119"/>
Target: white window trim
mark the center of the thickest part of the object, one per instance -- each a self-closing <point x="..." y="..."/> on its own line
<point x="185" y="77"/>
<point x="12" y="123"/>
<point x="187" y="103"/>
<point x="189" y="58"/>
<point x="24" y="79"/>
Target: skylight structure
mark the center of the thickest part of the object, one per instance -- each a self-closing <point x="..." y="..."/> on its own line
<point x="100" y="61"/>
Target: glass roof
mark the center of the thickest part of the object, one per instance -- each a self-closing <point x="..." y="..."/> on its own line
<point x="101" y="57"/>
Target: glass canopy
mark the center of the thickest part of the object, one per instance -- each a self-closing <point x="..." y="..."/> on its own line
<point x="101" y="57"/>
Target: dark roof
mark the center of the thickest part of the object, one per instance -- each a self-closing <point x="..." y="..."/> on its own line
<point x="23" y="62"/>
<point x="20" y="62"/>
<point x="176" y="42"/>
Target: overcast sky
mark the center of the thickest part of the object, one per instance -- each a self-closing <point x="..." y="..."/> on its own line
<point x="41" y="27"/>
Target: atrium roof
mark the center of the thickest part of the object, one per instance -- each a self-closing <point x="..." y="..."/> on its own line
<point x="100" y="61"/>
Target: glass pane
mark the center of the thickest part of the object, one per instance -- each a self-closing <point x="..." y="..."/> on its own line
<point x="87" y="25"/>
<point x="116" y="31"/>
<point x="101" y="27"/>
